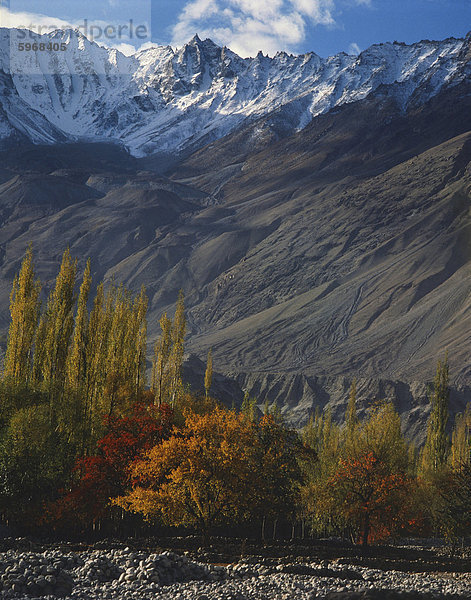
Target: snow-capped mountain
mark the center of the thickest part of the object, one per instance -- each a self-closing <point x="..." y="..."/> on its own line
<point x="166" y="100"/>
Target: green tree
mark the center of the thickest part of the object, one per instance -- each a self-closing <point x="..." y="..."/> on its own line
<point x="138" y="345"/>
<point x="454" y="508"/>
<point x="277" y="458"/>
<point x="125" y="352"/>
<point x="324" y="438"/>
<point x="96" y="351"/>
<point x="36" y="459"/>
<point x="437" y="445"/>
<point x="249" y="407"/>
<point x="460" y="453"/>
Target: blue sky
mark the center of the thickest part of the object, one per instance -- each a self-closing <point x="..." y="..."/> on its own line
<point x="246" y="26"/>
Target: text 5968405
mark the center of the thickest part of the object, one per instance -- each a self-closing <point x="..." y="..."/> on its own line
<point x="42" y="47"/>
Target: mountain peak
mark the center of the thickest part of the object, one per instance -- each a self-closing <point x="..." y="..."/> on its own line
<point x="195" y="40"/>
<point x="170" y="101"/>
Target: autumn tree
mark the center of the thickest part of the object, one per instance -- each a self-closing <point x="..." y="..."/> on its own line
<point x="106" y="474"/>
<point x="55" y="328"/>
<point x="351" y="418"/>
<point x="162" y="350"/>
<point x="68" y="368"/>
<point x="24" y="310"/>
<point x="370" y="496"/>
<point x="168" y="356"/>
<point x="201" y="476"/>
<point x="361" y="482"/>
<point x="208" y="376"/>
<point x="177" y="351"/>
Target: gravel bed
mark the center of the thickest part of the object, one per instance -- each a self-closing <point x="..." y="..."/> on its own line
<point x="115" y="574"/>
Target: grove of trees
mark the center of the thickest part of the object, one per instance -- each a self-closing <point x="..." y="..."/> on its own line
<point x="84" y="441"/>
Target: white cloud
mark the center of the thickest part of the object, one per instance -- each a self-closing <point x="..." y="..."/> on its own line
<point x="149" y="45"/>
<point x="36" y="22"/>
<point x="320" y="11"/>
<point x="247" y="26"/>
<point x="354" y="48"/>
<point x="95" y="30"/>
<point x="126" y="49"/>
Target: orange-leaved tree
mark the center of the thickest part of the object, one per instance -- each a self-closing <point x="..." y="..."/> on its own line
<point x="369" y="490"/>
<point x="202" y="475"/>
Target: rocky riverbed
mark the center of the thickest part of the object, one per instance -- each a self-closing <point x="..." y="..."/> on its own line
<point x="127" y="573"/>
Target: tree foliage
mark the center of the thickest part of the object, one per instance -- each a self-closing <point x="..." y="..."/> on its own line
<point x="202" y="475"/>
<point x="106" y="474"/>
<point x="24" y="310"/>
<point x="79" y="434"/>
<point x="437" y="445"/>
<point x="168" y="356"/>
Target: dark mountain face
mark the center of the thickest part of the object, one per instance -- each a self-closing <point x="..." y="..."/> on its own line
<point x="342" y="250"/>
<point x="362" y="259"/>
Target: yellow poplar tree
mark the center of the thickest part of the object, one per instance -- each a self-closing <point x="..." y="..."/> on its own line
<point x="138" y="343"/>
<point x="460" y="454"/>
<point x="94" y="351"/>
<point x="168" y="356"/>
<point x="176" y="354"/>
<point x="208" y="376"/>
<point x="24" y="310"/>
<point x="76" y="360"/>
<point x="161" y="355"/>
<point x="118" y="358"/>
<point x="56" y="327"/>
<point x="351" y="418"/>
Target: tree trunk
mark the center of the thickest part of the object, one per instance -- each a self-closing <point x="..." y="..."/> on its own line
<point x="366" y="530"/>
<point x="263" y="530"/>
<point x="205" y="534"/>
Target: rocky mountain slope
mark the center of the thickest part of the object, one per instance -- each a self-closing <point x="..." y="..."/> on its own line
<point x="166" y="101"/>
<point x="309" y="253"/>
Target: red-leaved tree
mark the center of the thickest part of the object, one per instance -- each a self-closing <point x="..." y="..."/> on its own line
<point x="106" y="474"/>
<point x="370" y="497"/>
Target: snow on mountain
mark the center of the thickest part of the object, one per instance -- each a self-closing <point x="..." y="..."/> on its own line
<point x="166" y="100"/>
